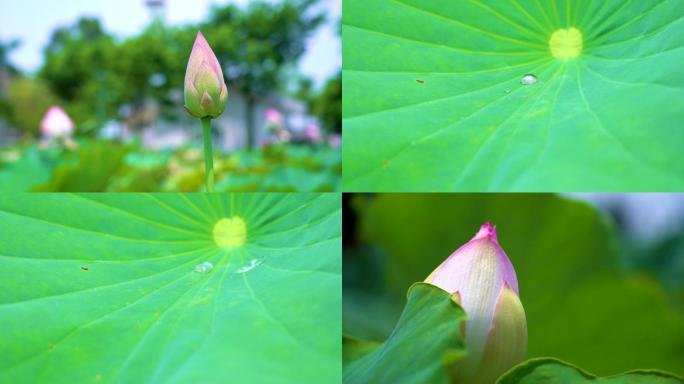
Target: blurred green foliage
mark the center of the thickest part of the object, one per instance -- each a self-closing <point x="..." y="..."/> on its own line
<point x="581" y="304"/>
<point x="254" y="43"/>
<point x="75" y="57"/>
<point x="26" y="96"/>
<point x="663" y="257"/>
<point x="23" y="167"/>
<point x="100" y="165"/>
<point x="328" y="105"/>
<point x="5" y="49"/>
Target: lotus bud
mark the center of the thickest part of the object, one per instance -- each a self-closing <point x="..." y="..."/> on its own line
<point x="274" y="121"/>
<point x="56" y="123"/>
<point x="483" y="278"/>
<point x="273" y="116"/>
<point x="205" y="90"/>
<point x="334" y="140"/>
<point x="313" y="133"/>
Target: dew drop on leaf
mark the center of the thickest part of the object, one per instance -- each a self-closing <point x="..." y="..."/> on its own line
<point x="204" y="267"/>
<point x="507" y="90"/>
<point x="528" y="79"/>
<point x="252" y="264"/>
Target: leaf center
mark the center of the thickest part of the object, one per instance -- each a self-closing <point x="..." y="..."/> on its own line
<point x="566" y="43"/>
<point x="229" y="233"/>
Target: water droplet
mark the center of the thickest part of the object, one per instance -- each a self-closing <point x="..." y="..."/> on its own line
<point x="252" y="264"/>
<point x="204" y="267"/>
<point x="507" y="90"/>
<point x="528" y="79"/>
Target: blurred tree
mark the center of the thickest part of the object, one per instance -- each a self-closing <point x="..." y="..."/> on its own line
<point x="328" y="105"/>
<point x="5" y="49"/>
<point x="7" y="72"/>
<point x="28" y="100"/>
<point x="78" y="62"/>
<point x="254" y="44"/>
<point x="150" y="65"/>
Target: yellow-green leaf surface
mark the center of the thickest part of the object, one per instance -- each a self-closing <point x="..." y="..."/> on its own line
<point x="548" y="370"/>
<point x="172" y="288"/>
<point x="434" y="100"/>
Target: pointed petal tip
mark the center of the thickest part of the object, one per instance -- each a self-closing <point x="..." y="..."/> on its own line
<point x="201" y="41"/>
<point x="486" y="230"/>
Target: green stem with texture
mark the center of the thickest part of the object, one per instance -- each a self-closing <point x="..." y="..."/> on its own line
<point x="208" y="154"/>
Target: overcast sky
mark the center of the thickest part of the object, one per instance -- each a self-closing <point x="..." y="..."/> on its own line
<point x="32" y="22"/>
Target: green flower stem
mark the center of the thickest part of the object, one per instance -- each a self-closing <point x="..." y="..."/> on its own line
<point x="208" y="154"/>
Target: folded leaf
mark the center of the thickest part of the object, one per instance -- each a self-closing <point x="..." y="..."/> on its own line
<point x="425" y="340"/>
<point x="549" y="370"/>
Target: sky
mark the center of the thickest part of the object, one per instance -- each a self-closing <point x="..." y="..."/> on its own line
<point x="32" y="22"/>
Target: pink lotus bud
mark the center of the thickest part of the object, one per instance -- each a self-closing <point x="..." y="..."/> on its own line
<point x="496" y="329"/>
<point x="205" y="90"/>
<point x="313" y="133"/>
<point x="334" y="140"/>
<point x="56" y="123"/>
<point x="273" y="116"/>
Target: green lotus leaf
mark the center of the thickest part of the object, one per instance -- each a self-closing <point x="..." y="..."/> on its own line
<point x="437" y="97"/>
<point x="548" y="370"/>
<point x="424" y="341"/>
<point x="173" y="288"/>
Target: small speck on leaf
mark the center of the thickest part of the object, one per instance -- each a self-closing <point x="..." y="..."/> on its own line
<point x="84" y="268"/>
<point x="419" y="81"/>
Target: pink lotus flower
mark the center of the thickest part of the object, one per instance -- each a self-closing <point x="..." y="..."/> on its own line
<point x="205" y="90"/>
<point x="334" y="140"/>
<point x="56" y="123"/>
<point x="313" y="133"/>
<point x="482" y="279"/>
<point x="273" y="116"/>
